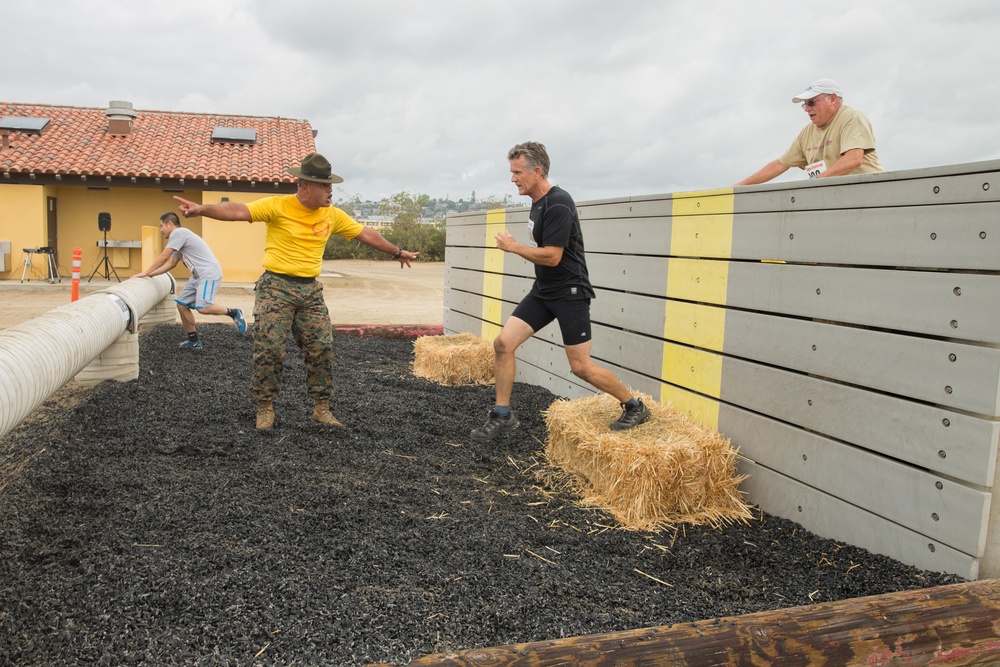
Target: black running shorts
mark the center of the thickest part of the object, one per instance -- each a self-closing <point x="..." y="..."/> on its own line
<point x="573" y="316"/>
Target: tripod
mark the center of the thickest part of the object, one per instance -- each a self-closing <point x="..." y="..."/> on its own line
<point x="26" y="270"/>
<point x="53" y="268"/>
<point x="105" y="263"/>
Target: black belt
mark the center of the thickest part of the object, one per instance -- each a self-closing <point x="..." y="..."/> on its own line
<point x="291" y="279"/>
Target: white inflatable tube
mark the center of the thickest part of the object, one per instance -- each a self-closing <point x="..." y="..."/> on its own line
<point x="40" y="356"/>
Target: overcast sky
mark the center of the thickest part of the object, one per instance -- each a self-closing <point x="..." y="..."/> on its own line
<point x="630" y="97"/>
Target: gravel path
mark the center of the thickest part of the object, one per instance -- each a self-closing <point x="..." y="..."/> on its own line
<point x="152" y="525"/>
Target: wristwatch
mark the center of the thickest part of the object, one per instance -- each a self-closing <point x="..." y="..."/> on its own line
<point x="399" y="253"/>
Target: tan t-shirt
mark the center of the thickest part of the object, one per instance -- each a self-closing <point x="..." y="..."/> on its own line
<point x="847" y="130"/>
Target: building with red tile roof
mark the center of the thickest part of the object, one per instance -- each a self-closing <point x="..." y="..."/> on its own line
<point x="62" y="165"/>
<point x="117" y="142"/>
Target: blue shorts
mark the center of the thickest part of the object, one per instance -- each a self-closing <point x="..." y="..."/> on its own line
<point x="199" y="293"/>
<point x="573" y="316"/>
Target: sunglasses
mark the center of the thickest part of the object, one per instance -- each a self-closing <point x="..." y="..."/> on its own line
<point x="809" y="104"/>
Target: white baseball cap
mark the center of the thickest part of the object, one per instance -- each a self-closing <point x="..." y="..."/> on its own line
<point x="819" y="87"/>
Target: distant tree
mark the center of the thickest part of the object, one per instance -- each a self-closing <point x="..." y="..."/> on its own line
<point x="405" y="208"/>
<point x="349" y="204"/>
<point x="428" y="239"/>
<point x="406" y="231"/>
<point x="337" y="247"/>
<point x="493" y="202"/>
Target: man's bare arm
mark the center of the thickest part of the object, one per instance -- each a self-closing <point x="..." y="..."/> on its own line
<point x="543" y="256"/>
<point x="764" y="174"/>
<point x="372" y="238"/>
<point x="846" y="163"/>
<point x="163" y="263"/>
<point x="227" y="210"/>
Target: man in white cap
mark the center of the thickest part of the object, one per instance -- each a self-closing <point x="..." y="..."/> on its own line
<point x="289" y="299"/>
<point x="838" y="141"/>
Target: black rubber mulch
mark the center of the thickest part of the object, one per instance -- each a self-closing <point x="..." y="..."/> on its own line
<point x="158" y="527"/>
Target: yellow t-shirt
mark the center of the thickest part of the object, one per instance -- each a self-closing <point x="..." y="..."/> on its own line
<point x="296" y="235"/>
<point x="848" y="129"/>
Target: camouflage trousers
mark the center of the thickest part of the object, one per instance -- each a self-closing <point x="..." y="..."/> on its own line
<point x="282" y="307"/>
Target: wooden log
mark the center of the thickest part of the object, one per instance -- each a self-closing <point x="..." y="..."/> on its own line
<point x="956" y="625"/>
<point x="396" y="331"/>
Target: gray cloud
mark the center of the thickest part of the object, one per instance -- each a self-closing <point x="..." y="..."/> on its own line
<point x="635" y="97"/>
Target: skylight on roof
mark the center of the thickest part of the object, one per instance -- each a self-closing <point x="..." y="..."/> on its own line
<point x="234" y="135"/>
<point x="26" y="124"/>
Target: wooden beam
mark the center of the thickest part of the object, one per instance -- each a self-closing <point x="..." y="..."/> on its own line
<point x="956" y="625"/>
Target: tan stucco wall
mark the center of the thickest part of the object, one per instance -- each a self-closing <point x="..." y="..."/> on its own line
<point x="239" y="246"/>
<point x="22" y="222"/>
<point x="130" y="210"/>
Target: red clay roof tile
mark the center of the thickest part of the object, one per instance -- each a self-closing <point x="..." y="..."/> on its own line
<point x="163" y="144"/>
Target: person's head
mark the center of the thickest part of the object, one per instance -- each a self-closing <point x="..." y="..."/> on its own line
<point x="821" y="100"/>
<point x="316" y="179"/>
<point x="168" y="223"/>
<point x="529" y="168"/>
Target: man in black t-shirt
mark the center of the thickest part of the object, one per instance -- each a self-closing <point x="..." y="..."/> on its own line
<point x="561" y="291"/>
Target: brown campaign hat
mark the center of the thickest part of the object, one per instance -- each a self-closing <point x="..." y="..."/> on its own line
<point x="315" y="167"/>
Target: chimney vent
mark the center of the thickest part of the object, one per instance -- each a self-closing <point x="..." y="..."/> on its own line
<point x="120" y="115"/>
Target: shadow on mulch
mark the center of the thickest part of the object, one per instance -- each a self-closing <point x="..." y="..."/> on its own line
<point x="153" y="525"/>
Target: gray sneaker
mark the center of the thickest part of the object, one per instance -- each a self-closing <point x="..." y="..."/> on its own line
<point x="494" y="426"/>
<point x="631" y="417"/>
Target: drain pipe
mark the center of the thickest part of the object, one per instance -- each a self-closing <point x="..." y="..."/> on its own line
<point x="39" y="356"/>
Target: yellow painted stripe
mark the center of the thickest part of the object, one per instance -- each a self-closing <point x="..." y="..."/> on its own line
<point x="701" y="226"/>
<point x="701" y="235"/>
<point x="694" y="324"/>
<point x="704" y="280"/>
<point x="492" y="305"/>
<point x="496" y="222"/>
<point x="703" y="202"/>
<point x="490" y="331"/>
<point x="492" y="313"/>
<point x="493" y="260"/>
<point x="493" y="285"/>
<point x="697" y="408"/>
<point x="693" y="369"/>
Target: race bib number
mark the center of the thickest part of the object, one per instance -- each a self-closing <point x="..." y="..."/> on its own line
<point x="531" y="233"/>
<point x="815" y="169"/>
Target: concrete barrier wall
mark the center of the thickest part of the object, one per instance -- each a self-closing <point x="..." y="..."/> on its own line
<point x="845" y="334"/>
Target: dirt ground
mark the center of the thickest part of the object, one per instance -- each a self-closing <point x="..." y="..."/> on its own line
<point x="357" y="292"/>
<point x="151" y="524"/>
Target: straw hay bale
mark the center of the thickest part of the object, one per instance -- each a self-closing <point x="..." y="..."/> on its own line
<point x="454" y="359"/>
<point x="669" y="470"/>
